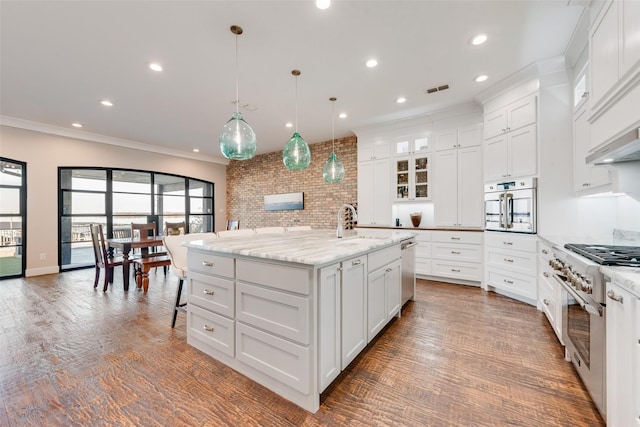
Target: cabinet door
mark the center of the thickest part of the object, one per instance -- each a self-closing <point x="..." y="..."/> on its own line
<point x="420" y="177"/>
<point x="619" y="349"/>
<point x="496" y="158"/>
<point x="604" y="52"/>
<point x="521" y="113"/>
<point x="470" y="191"/>
<point x="470" y="136"/>
<point x="380" y="197"/>
<point x="445" y="191"/>
<point x="366" y="197"/>
<point x="523" y="151"/>
<point x="446" y="139"/>
<point x="393" y="285"/>
<point x="376" y="303"/>
<point x="401" y="177"/>
<point x="329" y="319"/>
<point x="629" y="36"/>
<point x="354" y="308"/>
<point x="495" y="123"/>
<point x="585" y="177"/>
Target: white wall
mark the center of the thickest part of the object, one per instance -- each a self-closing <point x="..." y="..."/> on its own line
<point x="44" y="153"/>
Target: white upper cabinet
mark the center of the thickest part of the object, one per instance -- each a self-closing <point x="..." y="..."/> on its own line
<point x="374" y="194"/>
<point x="468" y="136"/>
<point x="587" y="179"/>
<point x="604" y="52"/>
<point x="629" y="35"/>
<point x="373" y="151"/>
<point x="411" y="145"/>
<point x="412" y="177"/>
<point x="511" y="155"/>
<point x="510" y="118"/>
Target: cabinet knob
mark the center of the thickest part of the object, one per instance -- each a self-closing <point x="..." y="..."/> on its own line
<point x="507" y="243"/>
<point x="207" y="328"/>
<point x="508" y="260"/>
<point x="455" y="238"/>
<point x="207" y="263"/>
<point x="545" y="301"/>
<point x="455" y="270"/>
<point x="455" y="252"/>
<point x="207" y="292"/>
<point x="585" y="95"/>
<point x="586" y="184"/>
<point x="389" y="270"/>
<point x="544" y="251"/>
<point x="357" y="262"/>
<point x="545" y="274"/>
<point x="509" y="282"/>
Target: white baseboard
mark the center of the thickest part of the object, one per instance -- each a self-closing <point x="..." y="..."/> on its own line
<point x="41" y="271"/>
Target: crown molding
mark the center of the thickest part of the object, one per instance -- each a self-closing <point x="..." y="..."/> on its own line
<point x="102" y="139"/>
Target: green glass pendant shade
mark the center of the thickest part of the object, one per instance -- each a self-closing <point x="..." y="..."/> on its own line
<point x="296" y="154"/>
<point x="237" y="139"/>
<point x="333" y="170"/>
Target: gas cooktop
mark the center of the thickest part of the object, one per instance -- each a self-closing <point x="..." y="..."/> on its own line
<point x="628" y="256"/>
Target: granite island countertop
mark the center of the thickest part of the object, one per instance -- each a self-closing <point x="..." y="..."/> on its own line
<point x="627" y="277"/>
<point x="315" y="247"/>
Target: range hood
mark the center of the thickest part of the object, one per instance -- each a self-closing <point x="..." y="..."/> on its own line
<point x="626" y="148"/>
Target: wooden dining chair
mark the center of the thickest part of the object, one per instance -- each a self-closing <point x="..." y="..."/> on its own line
<point x="233" y="224"/>
<point x="146" y="231"/>
<point x="103" y="261"/>
<point x="174" y="228"/>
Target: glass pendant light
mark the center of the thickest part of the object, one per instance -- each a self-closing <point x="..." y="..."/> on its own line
<point x="333" y="169"/>
<point x="237" y="139"/>
<point x="296" y="154"/>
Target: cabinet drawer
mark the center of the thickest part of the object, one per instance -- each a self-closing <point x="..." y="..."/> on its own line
<point x="280" y="359"/>
<point x="283" y="314"/>
<point x="470" y="237"/>
<point x="456" y="270"/>
<point x="212" y="293"/>
<point x="545" y="251"/>
<point x="511" y="242"/>
<point x="278" y="276"/>
<point x="423" y="266"/>
<point x="461" y="252"/>
<point x="547" y="299"/>
<point x="210" y="264"/>
<point x="516" y="283"/>
<point x="383" y="257"/>
<point x="214" y="331"/>
<point x="519" y="262"/>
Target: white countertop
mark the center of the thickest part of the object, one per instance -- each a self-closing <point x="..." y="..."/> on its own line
<point x="627" y="277"/>
<point x="315" y="247"/>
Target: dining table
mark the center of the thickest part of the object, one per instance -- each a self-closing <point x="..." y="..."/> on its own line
<point x="126" y="244"/>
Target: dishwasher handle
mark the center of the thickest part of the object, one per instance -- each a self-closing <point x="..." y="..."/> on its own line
<point x="408" y="245"/>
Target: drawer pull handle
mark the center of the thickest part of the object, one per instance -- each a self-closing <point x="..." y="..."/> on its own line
<point x="455" y="238"/>
<point x="207" y="292"/>
<point x="207" y="328"/>
<point x="358" y="262"/>
<point x="207" y="263"/>
<point x="509" y="282"/>
<point x="389" y="270"/>
<point x="545" y="274"/>
<point x="455" y="252"/>
<point x="545" y="301"/>
<point x="508" y="260"/>
<point x="544" y="251"/>
<point x="339" y="268"/>
<point x="455" y="270"/>
<point x="508" y="243"/>
<point x="613" y="296"/>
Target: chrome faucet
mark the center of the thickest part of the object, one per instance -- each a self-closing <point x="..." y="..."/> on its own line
<point x="340" y="225"/>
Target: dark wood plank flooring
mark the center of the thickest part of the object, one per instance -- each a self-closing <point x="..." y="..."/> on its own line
<point x="74" y="356"/>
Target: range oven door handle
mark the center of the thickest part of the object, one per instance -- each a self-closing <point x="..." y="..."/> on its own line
<point x="586" y="302"/>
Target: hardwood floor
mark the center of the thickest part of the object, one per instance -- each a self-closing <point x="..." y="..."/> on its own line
<point x="74" y="356"/>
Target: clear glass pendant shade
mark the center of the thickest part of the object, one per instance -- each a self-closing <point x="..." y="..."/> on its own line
<point x="296" y="154"/>
<point x="333" y="170"/>
<point x="237" y="139"/>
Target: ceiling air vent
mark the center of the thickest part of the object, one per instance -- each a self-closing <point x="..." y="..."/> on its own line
<point x="436" y="89"/>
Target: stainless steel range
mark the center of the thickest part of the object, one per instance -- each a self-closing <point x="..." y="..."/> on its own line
<point x="584" y="307"/>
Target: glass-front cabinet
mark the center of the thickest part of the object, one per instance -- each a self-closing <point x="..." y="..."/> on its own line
<point x="412" y="178"/>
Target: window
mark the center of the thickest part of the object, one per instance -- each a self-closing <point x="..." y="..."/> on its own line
<point x="13" y="215"/>
<point x="116" y="197"/>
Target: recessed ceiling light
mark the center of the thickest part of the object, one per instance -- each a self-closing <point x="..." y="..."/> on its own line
<point x="323" y="4"/>
<point x="289" y="125"/>
<point x="372" y="63"/>
<point x="607" y="161"/>
<point x="76" y="125"/>
<point x="196" y="150"/>
<point x="155" y="66"/>
<point x="401" y="100"/>
<point x="342" y="115"/>
<point x="481" y="78"/>
<point x="479" y="39"/>
<point x="106" y="103"/>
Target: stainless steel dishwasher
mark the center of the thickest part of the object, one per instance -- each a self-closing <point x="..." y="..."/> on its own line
<point x="408" y="254"/>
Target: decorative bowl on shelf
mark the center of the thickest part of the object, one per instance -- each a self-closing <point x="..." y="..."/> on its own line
<point x="416" y="218"/>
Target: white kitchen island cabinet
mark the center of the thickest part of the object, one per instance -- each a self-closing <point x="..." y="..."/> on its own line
<point x="289" y="310"/>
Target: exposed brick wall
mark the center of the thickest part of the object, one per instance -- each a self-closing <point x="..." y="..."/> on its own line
<point x="249" y="181"/>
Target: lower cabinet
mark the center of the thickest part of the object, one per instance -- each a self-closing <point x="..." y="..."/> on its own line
<point x="549" y="290"/>
<point x="383" y="297"/>
<point x="423" y="253"/>
<point x="623" y="357"/>
<point x="457" y="255"/>
<point x="511" y="265"/>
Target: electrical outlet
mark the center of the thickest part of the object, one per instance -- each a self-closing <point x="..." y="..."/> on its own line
<point x="43" y="257"/>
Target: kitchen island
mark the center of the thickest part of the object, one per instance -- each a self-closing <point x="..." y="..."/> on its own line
<point x="292" y="310"/>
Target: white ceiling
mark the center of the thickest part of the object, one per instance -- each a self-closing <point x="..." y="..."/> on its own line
<point x="60" y="58"/>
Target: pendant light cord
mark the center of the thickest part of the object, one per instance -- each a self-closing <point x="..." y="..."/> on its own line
<point x="333" y="116"/>
<point x="237" y="96"/>
<point x="296" y="104"/>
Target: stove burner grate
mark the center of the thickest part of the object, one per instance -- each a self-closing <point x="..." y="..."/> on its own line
<point x="628" y="256"/>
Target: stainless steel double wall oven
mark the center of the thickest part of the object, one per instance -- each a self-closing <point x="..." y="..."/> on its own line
<point x="511" y="206"/>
